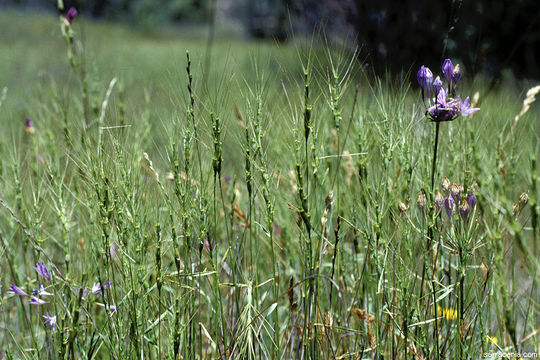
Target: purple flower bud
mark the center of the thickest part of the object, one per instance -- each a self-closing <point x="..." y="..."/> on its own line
<point x="449" y="206"/>
<point x="454" y="191"/>
<point x="14" y="289"/>
<point x="464" y="210"/>
<point x="29" y="126"/>
<point x="437" y="86"/>
<point x="36" y="301"/>
<point x="471" y="200"/>
<point x="42" y="270"/>
<point x="85" y="292"/>
<point x="425" y="78"/>
<point x="456" y="74"/>
<point x="71" y="14"/>
<point x="448" y="70"/>
<point x="50" y="320"/>
<point x="439" y="200"/>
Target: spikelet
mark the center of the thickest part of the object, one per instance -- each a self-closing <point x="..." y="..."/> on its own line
<point x="529" y="99"/>
<point x="349" y="166"/>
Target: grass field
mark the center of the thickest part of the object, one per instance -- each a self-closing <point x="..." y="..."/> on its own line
<point x="260" y="201"/>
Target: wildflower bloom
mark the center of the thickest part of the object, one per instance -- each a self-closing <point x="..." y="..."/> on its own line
<point x="449" y="314"/>
<point x="29" y="126"/>
<point x="37" y="301"/>
<point x="465" y="108"/>
<point x="444" y="106"/>
<point x="71" y="14"/>
<point x="111" y="308"/>
<point x="14" y="289"/>
<point x="42" y="270"/>
<point x="41" y="291"/>
<point x="96" y="289"/>
<point x="50" y="320"/>
<point x="492" y="340"/>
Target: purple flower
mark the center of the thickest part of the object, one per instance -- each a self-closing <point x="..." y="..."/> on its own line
<point x="29" y="126"/>
<point x="71" y="14"/>
<point x="456" y="74"/>
<point x="445" y="109"/>
<point x="448" y="70"/>
<point x="437" y="86"/>
<point x="36" y="301"/>
<point x="449" y="206"/>
<point x="96" y="289"/>
<point x="425" y="78"/>
<point x="14" y="289"/>
<point x="465" y="108"/>
<point x="43" y="271"/>
<point x="85" y="292"/>
<point x="50" y="320"/>
<point x="41" y="291"/>
<point x="111" y="308"/>
<point x="471" y="200"/>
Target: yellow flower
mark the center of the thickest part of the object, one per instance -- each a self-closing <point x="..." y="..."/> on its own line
<point x="449" y="314"/>
<point x="492" y="340"/>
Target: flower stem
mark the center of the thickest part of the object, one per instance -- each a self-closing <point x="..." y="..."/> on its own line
<point x="434" y="156"/>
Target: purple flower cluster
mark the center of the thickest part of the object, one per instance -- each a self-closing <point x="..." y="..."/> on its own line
<point x="36" y="296"/>
<point x="442" y="107"/>
<point x="454" y="198"/>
